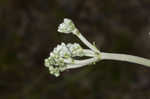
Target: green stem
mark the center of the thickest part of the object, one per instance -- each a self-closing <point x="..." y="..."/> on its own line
<point x="126" y="58"/>
<point x="82" y="63"/>
<point x="85" y="41"/>
<point x="110" y="56"/>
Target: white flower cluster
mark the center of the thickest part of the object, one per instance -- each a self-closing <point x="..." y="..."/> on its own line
<point x="62" y="56"/>
<point x="67" y="26"/>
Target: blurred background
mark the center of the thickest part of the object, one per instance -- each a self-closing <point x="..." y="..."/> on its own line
<point x="28" y="32"/>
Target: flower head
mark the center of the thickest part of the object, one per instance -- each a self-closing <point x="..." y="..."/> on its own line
<point x="62" y="56"/>
<point x="67" y="26"/>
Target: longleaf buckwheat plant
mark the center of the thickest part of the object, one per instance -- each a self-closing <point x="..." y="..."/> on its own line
<point x="63" y="57"/>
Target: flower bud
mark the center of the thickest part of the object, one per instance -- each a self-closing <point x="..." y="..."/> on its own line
<point x="67" y="26"/>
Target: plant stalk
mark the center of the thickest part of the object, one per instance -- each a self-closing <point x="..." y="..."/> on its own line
<point x="126" y="58"/>
<point x="86" y="42"/>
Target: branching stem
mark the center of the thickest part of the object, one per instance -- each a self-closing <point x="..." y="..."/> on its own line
<point x="86" y="42"/>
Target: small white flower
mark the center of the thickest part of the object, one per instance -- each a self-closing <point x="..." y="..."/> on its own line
<point x="75" y="49"/>
<point x="62" y="50"/>
<point x="67" y="26"/>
